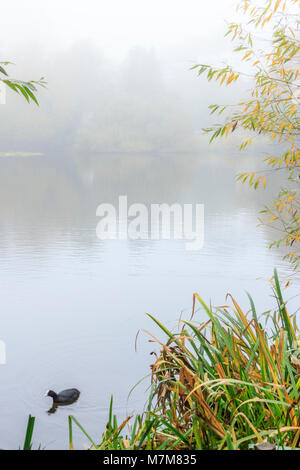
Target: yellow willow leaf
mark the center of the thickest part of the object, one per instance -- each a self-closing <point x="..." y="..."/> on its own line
<point x="267" y="102"/>
<point x="251" y="178"/>
<point x="247" y="55"/>
<point x="272" y="88"/>
<point x="272" y="220"/>
<point x="223" y="79"/>
<point x="230" y="78"/>
<point x="235" y="33"/>
<point x="264" y="181"/>
<point x="267" y="19"/>
<point x="288" y="99"/>
<point x="296" y="74"/>
<point x="282" y="125"/>
<point x="277" y="5"/>
<point x="281" y="93"/>
<point x="287" y="212"/>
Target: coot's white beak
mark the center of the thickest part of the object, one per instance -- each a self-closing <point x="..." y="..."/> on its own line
<point x="46" y="394"/>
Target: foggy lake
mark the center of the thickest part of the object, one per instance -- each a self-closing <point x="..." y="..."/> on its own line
<point x="72" y="304"/>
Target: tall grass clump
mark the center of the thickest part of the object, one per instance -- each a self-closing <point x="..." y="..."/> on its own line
<point x="230" y="382"/>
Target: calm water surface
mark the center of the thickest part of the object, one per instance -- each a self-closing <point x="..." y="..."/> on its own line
<point x="71" y="305"/>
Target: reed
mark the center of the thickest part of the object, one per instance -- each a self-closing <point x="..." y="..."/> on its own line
<point x="230" y="381"/>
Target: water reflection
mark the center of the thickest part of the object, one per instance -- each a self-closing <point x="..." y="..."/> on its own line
<point x="55" y="406"/>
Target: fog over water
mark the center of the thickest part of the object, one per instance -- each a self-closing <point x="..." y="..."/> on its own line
<point x="122" y="115"/>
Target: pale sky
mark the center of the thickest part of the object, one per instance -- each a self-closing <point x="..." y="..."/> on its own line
<point x="38" y="35"/>
<point x="113" y="25"/>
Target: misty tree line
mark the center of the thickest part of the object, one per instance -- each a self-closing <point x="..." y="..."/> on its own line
<point x="93" y="105"/>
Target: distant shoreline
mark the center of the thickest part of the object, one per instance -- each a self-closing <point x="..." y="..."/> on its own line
<point x="21" y="154"/>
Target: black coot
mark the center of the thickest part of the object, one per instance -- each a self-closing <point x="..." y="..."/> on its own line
<point x="66" y="396"/>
